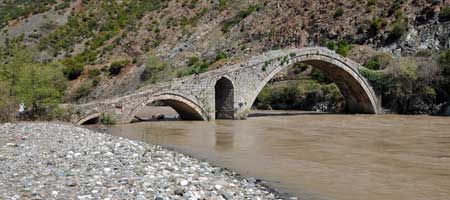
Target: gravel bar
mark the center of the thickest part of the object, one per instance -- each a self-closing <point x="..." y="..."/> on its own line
<point x="62" y="161"/>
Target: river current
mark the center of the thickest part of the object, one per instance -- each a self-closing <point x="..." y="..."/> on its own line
<point x="319" y="156"/>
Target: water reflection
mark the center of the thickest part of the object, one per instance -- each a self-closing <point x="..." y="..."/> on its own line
<point x="224" y="141"/>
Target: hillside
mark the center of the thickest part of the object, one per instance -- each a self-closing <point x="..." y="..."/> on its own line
<point x="108" y="48"/>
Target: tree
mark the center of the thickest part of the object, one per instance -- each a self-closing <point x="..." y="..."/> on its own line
<point x="38" y="86"/>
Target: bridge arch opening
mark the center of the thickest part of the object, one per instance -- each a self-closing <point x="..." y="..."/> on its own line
<point x="185" y="109"/>
<point x="357" y="94"/>
<point x="89" y="120"/>
<point x="224" y="98"/>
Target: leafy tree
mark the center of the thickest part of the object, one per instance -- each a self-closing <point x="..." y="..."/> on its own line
<point x="38" y="86"/>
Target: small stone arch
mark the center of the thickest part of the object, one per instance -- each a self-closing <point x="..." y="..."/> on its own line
<point x="359" y="95"/>
<point x="224" y="98"/>
<point x="186" y="108"/>
<point x="95" y="118"/>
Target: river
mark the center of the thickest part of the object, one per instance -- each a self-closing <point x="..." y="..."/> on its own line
<point x="319" y="156"/>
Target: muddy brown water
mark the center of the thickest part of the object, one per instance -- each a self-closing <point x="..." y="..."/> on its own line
<point x="320" y="156"/>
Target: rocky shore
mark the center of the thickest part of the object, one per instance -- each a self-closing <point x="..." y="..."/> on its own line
<point x="61" y="161"/>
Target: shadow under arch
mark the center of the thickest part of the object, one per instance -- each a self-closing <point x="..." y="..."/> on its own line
<point x="224" y="98"/>
<point x="357" y="92"/>
<point x="186" y="108"/>
<point x="90" y="119"/>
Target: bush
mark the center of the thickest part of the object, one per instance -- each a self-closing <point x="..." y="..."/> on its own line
<point x="444" y="63"/>
<point x="228" y="24"/>
<point x="339" y="12"/>
<point x="115" y="67"/>
<point x="200" y="67"/>
<point x="397" y="32"/>
<point x="343" y="48"/>
<point x="83" y="91"/>
<point x="424" y="53"/>
<point x="221" y="55"/>
<point x="222" y="4"/>
<point x="72" y="68"/>
<point x="107" y="119"/>
<point x="318" y="76"/>
<point x="444" y="15"/>
<point x="154" y="65"/>
<point x="373" y="64"/>
<point x="192" y="60"/>
<point x="406" y="69"/>
<point x="380" y="61"/>
<point x="371" y="2"/>
<point x="375" y="25"/>
<point x="331" y="45"/>
<point x="93" y="73"/>
<point x="300" y="95"/>
<point x="378" y="80"/>
<point x="7" y="104"/>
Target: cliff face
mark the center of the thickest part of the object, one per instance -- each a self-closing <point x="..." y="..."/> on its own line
<point x="96" y="33"/>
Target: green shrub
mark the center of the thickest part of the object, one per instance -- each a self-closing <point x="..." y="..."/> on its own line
<point x="373" y="64"/>
<point x="371" y="2"/>
<point x="192" y="60"/>
<point x="397" y="32"/>
<point x="378" y="80"/>
<point x="424" y="53"/>
<point x="84" y="90"/>
<point x="444" y="15"/>
<point x="407" y="69"/>
<point x="375" y="26"/>
<point x="96" y="81"/>
<point x="93" y="73"/>
<point x="182" y="72"/>
<point x="444" y="62"/>
<point x="430" y="92"/>
<point x="331" y="45"/>
<point x="222" y="4"/>
<point x="221" y="55"/>
<point x="343" y="48"/>
<point x="318" y="76"/>
<point x="72" y="69"/>
<point x="200" y="67"/>
<point x="7" y="103"/>
<point x="228" y="24"/>
<point x="116" y="67"/>
<point x="107" y="119"/>
<point x="339" y="12"/>
<point x="154" y="65"/>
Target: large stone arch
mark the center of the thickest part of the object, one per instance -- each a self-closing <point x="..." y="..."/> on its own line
<point x="186" y="108"/>
<point x="224" y="98"/>
<point x="359" y="95"/>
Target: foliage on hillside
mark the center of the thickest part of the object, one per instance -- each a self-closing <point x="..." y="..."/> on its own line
<point x="15" y="9"/>
<point x="39" y="86"/>
<point x="409" y="85"/>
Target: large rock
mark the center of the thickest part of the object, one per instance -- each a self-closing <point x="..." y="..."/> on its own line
<point x="443" y="110"/>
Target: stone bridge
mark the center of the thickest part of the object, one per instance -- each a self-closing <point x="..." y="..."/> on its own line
<point x="229" y="92"/>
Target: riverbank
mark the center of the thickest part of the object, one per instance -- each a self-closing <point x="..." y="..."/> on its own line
<point x="61" y="161"/>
